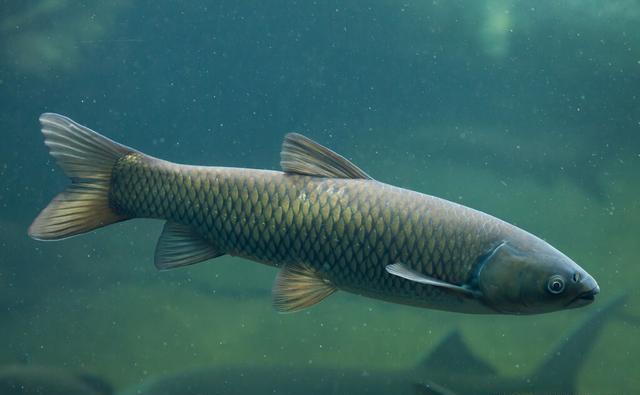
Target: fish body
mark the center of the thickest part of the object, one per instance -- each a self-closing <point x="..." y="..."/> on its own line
<point x="324" y="222"/>
<point x="346" y="230"/>
<point x="283" y="380"/>
<point x="33" y="379"/>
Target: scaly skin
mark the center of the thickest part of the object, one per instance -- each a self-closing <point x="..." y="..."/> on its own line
<point x="347" y="229"/>
<point x="325" y="220"/>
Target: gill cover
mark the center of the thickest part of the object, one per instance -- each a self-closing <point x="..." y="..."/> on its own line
<point x="526" y="275"/>
<point x="501" y="275"/>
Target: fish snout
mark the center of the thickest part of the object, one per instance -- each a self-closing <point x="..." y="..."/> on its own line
<point x="592" y="288"/>
<point x="588" y="289"/>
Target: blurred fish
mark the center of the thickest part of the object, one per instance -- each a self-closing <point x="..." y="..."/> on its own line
<point x="284" y="380"/>
<point x="323" y="221"/>
<point x="42" y="380"/>
<point x="452" y="365"/>
<point x="450" y="368"/>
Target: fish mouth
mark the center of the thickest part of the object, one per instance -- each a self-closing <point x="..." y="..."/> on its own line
<point x="585" y="298"/>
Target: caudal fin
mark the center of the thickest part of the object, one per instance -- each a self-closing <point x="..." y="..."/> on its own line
<point x="88" y="159"/>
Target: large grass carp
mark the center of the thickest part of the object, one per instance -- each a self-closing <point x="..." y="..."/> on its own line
<point x="323" y="221"/>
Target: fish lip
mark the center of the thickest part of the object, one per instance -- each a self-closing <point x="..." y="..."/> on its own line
<point x="590" y="296"/>
<point x="586" y="297"/>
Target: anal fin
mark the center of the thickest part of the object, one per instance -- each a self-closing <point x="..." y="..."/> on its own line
<point x="180" y="246"/>
<point x="297" y="287"/>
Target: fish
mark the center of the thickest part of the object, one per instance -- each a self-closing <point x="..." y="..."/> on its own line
<point x="322" y="221"/>
<point x="282" y="380"/>
<point x="35" y="379"/>
<point x="450" y="368"/>
<point x="452" y="364"/>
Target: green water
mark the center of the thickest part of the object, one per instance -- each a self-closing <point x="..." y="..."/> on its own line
<point x="527" y="111"/>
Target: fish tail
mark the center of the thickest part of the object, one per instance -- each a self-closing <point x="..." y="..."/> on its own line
<point x="88" y="159"/>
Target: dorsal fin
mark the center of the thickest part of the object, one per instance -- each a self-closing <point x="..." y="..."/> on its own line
<point x="301" y="155"/>
<point x="97" y="384"/>
<point x="431" y="388"/>
<point x="179" y="246"/>
<point x="453" y="355"/>
<point x="297" y="287"/>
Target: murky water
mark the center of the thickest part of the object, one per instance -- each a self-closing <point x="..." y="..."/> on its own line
<point x="529" y="112"/>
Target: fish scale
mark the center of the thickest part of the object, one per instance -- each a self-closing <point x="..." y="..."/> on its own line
<point x="348" y="230"/>
<point x="323" y="221"/>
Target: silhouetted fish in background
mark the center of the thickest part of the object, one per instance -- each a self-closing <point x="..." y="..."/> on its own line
<point x="325" y="222"/>
<point x="452" y="365"/>
<point x="450" y="368"/>
<point x="45" y="380"/>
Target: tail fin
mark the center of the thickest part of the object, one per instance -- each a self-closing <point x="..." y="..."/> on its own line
<point x="87" y="158"/>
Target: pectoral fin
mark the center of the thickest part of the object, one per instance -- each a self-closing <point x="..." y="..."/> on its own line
<point x="180" y="246"/>
<point x="401" y="270"/>
<point x="297" y="287"/>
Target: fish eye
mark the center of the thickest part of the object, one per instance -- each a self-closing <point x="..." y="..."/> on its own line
<point x="555" y="284"/>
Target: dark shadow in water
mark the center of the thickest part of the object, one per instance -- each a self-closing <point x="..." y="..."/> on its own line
<point x="451" y="368"/>
<point x="43" y="380"/>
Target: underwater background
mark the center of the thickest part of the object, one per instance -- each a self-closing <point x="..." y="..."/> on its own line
<point x="529" y="111"/>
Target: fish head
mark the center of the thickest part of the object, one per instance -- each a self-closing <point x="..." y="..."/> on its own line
<point x="530" y="277"/>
